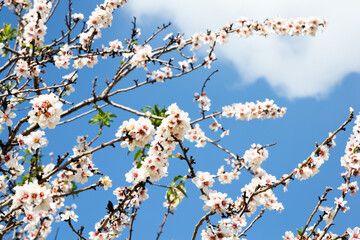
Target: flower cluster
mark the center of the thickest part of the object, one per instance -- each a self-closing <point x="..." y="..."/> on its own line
<point x="204" y="101"/>
<point x="140" y="56"/>
<point x="132" y="197"/>
<point x="114" y="47"/>
<point x="34" y="23"/>
<point x="311" y="166"/>
<point x="251" y="110"/>
<point x="255" y="156"/>
<point x="26" y="4"/>
<point x="46" y="111"/>
<point x="37" y="202"/>
<point x="136" y="197"/>
<point x="161" y="75"/>
<point x="352" y="187"/>
<point x="315" y="235"/>
<point x="112" y="229"/>
<point x="197" y="135"/>
<point x="266" y="199"/>
<point x="11" y="161"/>
<point x="216" y="201"/>
<point x="176" y="124"/>
<point x="82" y="168"/>
<point x="227" y="177"/>
<point x="137" y="133"/>
<point x="64" y="56"/>
<point x="219" y="232"/>
<point x="101" y="17"/>
<point x="299" y="26"/>
<point x="172" y="128"/>
<point x="245" y="28"/>
<point x="228" y="228"/>
<point x="351" y="159"/>
<point x="86" y="61"/>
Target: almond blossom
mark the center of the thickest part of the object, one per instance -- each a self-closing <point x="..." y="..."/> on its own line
<point x="351" y="159"/>
<point x="197" y="135"/>
<point x="251" y="110"/>
<point x="5" y="117"/>
<point x="137" y="133"/>
<point x="46" y="111"/>
<point x="35" y="140"/>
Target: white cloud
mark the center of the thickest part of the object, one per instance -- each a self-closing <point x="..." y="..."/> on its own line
<point x="294" y="67"/>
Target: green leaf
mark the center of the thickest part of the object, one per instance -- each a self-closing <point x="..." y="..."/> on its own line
<point x="182" y="189"/>
<point x="102" y="118"/>
<point x="179" y="177"/>
<point x="168" y="194"/>
<point x="300" y="232"/>
<point x="137" y="154"/>
<point x="157" y="112"/>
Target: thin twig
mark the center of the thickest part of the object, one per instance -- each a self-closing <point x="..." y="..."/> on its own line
<point x="253" y="221"/>
<point x="327" y="140"/>
<point x="93" y="186"/>
<point x="163" y="223"/>
<point x="133" y="215"/>
<point x="198" y="225"/>
<point x="76" y="232"/>
<point x="321" y="199"/>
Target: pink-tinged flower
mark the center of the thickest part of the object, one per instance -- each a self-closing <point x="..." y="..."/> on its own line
<point x="354" y="234"/>
<point x="105" y="182"/>
<point x="340" y="201"/>
<point x="2" y="45"/>
<point x="22" y="69"/>
<point x="77" y="16"/>
<point x="167" y="36"/>
<point x="35" y="140"/>
<point x="215" y="126"/>
<point x="68" y="214"/>
<point x="288" y="236"/>
<point x="3" y="184"/>
<point x="136" y="175"/>
<point x="204" y="101"/>
<point x="184" y="65"/>
<point x="225" y="133"/>
<point x="203" y="180"/>
<point x="329" y="214"/>
<point x="6" y="117"/>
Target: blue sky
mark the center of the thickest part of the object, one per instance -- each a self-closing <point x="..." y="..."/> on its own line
<point x="315" y="78"/>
